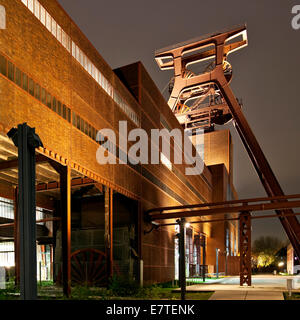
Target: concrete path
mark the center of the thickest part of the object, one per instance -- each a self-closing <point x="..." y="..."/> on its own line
<point x="247" y="295"/>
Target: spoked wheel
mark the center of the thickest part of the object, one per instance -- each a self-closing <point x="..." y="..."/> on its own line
<point x="88" y="267"/>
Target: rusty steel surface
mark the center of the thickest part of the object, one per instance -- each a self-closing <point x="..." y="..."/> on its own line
<point x="217" y="76"/>
<point x="245" y="248"/>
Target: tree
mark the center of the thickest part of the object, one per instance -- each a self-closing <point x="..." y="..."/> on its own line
<point x="264" y="251"/>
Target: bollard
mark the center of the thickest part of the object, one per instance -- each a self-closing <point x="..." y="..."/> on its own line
<point x="289" y="285"/>
<point x="2" y="278"/>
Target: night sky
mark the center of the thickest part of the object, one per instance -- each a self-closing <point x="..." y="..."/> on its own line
<point x="265" y="74"/>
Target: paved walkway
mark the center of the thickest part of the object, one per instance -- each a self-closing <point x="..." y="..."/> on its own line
<point x="264" y="287"/>
<point x="247" y="295"/>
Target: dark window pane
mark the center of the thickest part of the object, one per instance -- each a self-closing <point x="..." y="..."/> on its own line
<point x="25" y="82"/>
<point x="64" y="112"/>
<point x="59" y="107"/>
<point x="37" y="91"/>
<point x="11" y="71"/>
<point x="54" y="104"/>
<point x="78" y="122"/>
<point x="74" y="118"/>
<point x="82" y="125"/>
<point x="90" y="131"/>
<point x="31" y="87"/>
<point x="49" y="98"/>
<point x="2" y="65"/>
<point x="93" y="133"/>
<point x="43" y="96"/>
<point x="69" y="114"/>
<point x="18" y="77"/>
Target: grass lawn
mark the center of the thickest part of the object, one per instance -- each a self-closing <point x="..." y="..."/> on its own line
<point x="48" y="291"/>
<point x="295" y="296"/>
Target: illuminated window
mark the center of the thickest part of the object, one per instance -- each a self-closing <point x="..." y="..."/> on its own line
<point x="43" y="16"/>
<point x="48" y="21"/>
<point x="6" y="208"/>
<point x="54" y="27"/>
<point x="73" y="49"/>
<point x="63" y="38"/>
<point x="37" y="9"/>
<point x="58" y="35"/>
<point x="30" y="5"/>
<point x="84" y="62"/>
<point x="7" y="254"/>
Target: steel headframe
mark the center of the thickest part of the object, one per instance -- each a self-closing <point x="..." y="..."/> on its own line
<point x="217" y="47"/>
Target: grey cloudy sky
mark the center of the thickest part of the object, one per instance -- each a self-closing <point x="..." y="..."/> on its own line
<point x="266" y="73"/>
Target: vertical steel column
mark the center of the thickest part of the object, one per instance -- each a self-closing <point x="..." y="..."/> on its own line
<point x="65" y="192"/>
<point x="108" y="212"/>
<point x="111" y="252"/>
<point x="217" y="262"/>
<point x="140" y="241"/>
<point x="27" y="141"/>
<point x="245" y="248"/>
<point x="182" y="275"/>
<point x="203" y="257"/>
<point x="16" y="237"/>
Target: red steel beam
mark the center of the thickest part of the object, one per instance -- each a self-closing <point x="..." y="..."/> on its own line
<point x="12" y="164"/>
<point x="227" y="209"/>
<point x="225" y="219"/>
<point x="220" y="203"/>
<point x="56" y="185"/>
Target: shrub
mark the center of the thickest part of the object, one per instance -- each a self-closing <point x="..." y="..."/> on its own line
<point x="122" y="286"/>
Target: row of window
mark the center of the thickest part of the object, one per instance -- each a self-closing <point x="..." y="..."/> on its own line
<point x="14" y="74"/>
<point x="9" y="70"/>
<point x="45" y="18"/>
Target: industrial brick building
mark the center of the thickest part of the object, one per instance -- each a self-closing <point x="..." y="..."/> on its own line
<point x="92" y="215"/>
